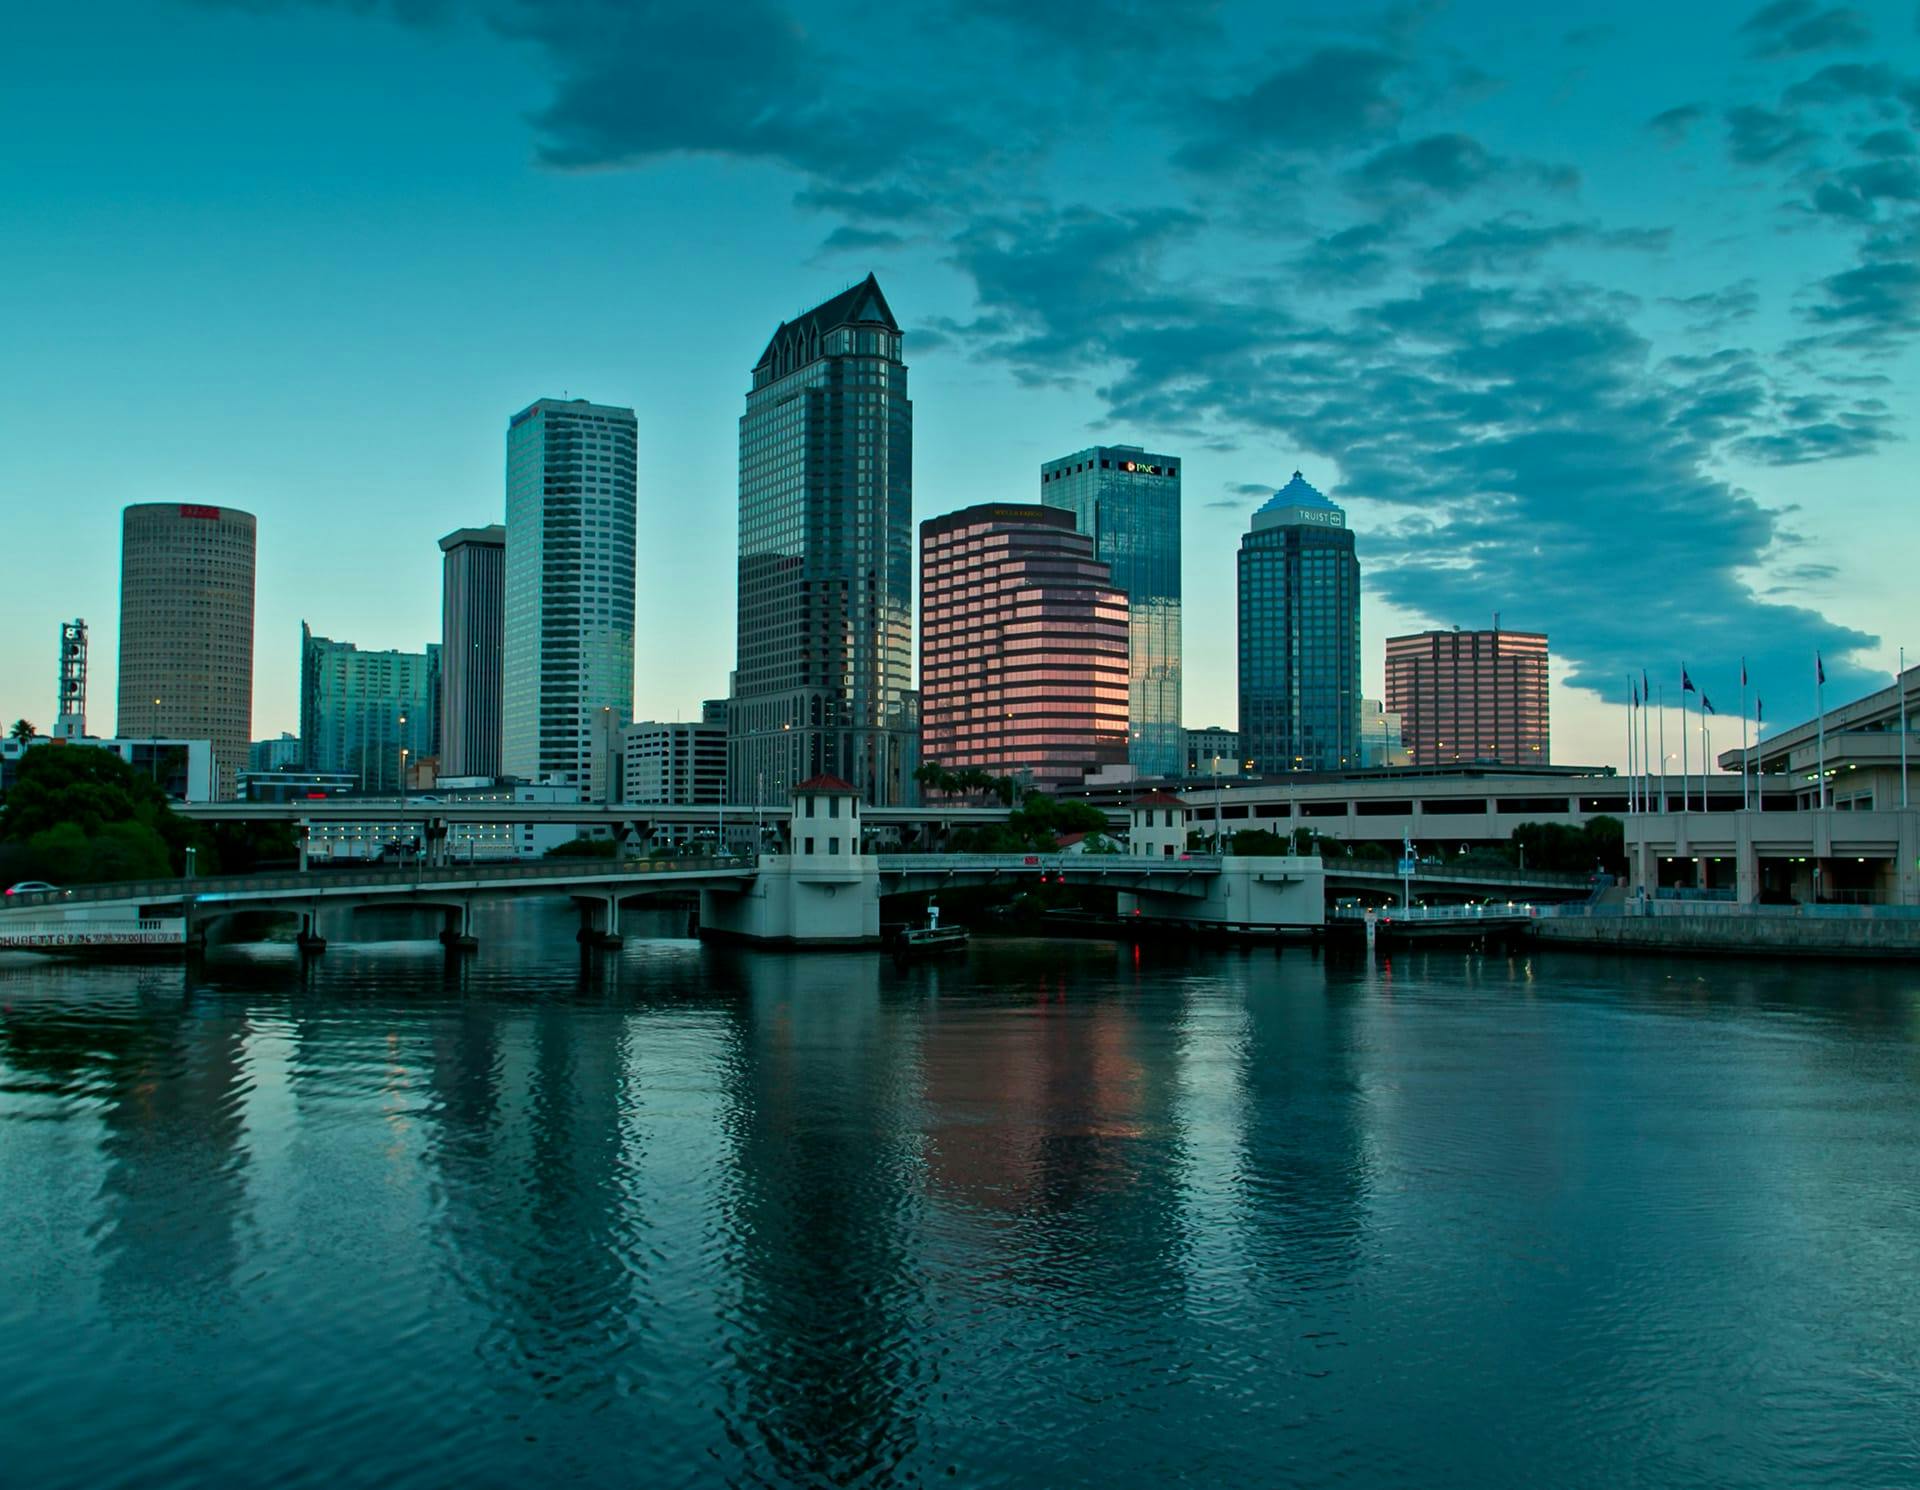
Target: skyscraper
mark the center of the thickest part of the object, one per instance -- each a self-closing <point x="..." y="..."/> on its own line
<point x="1128" y="502"/>
<point x="825" y="665"/>
<point x="367" y="714"/>
<point x="186" y="629"/>
<point x="1299" y="593"/>
<point x="1023" y="646"/>
<point x="1471" y="696"/>
<point x="568" y="638"/>
<point x="472" y="632"/>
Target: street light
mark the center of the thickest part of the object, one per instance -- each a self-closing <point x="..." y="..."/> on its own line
<point x="403" y="762"/>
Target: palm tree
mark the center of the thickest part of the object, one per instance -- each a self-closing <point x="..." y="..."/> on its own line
<point x="22" y="731"/>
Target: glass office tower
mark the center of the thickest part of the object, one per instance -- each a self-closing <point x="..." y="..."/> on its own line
<point x="823" y="684"/>
<point x="1128" y="502"/>
<point x="567" y="651"/>
<point x="367" y="714"/>
<point x="1299" y="593"/>
<point x="472" y="626"/>
<point x="1023" y="646"/>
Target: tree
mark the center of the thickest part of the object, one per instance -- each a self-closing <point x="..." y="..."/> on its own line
<point x="583" y="848"/>
<point x="23" y="731"/>
<point x="81" y="814"/>
<point x="1600" y="843"/>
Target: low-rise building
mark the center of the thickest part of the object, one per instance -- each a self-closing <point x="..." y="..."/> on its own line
<point x="183" y="769"/>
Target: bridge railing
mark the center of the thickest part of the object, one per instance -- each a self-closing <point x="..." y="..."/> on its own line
<point x="440" y="876"/>
<point x="1053" y="863"/>
<point x="1477" y="874"/>
<point x="1390" y="914"/>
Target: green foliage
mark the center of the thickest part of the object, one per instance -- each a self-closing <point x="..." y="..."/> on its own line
<point x="972" y="781"/>
<point x="78" y="814"/>
<point x="1601" y="843"/>
<point x="23" y="730"/>
<point x="1254" y="843"/>
<point x="583" y="848"/>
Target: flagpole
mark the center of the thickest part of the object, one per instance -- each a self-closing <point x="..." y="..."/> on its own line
<point x="1663" y="747"/>
<point x="1820" y="713"/>
<point x="1746" y="763"/>
<point x="1645" y="739"/>
<point x="1901" y="677"/>
<point x="1686" y="723"/>
<point x="1759" y="729"/>
<point x="1630" y="800"/>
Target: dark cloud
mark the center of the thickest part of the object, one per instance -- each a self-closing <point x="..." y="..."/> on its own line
<point x="1872" y="307"/>
<point x="1757" y="136"/>
<point x="1103" y="27"/>
<point x="1845" y="82"/>
<point x="1857" y="193"/>
<point x="1889" y="144"/>
<point x="1675" y="124"/>
<point x="1513" y="243"/>
<point x="1350" y="258"/>
<point x="1334" y="99"/>
<point x="1522" y="430"/>
<point x="1793" y="27"/>
<point x="1584" y="38"/>
<point x="1716" y="310"/>
<point x="858" y="240"/>
<point x="886" y="203"/>
<point x="1450" y="165"/>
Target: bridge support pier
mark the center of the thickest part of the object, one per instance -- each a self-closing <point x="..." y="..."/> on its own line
<point x="458" y="934"/>
<point x="308" y="939"/>
<point x="600" y="922"/>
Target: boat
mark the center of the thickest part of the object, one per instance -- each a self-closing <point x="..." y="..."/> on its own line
<point x="931" y="939"/>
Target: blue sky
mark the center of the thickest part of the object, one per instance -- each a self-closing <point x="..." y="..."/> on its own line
<point x="1605" y="322"/>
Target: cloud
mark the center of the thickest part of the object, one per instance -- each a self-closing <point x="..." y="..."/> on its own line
<point x="1353" y="257"/>
<point x="1450" y="165"/>
<point x="1857" y="193"/>
<point x="1584" y="38"/>
<point x="1523" y="431"/>
<point x="1872" y="307"/>
<point x="1756" y="136"/>
<point x="858" y="240"/>
<point x="1675" y="124"/>
<point x="1334" y="99"/>
<point x="1513" y="243"/>
<point x="1716" y="310"/>
<point x="1104" y="26"/>
<point x="1849" y="82"/>
<point x="1793" y="27"/>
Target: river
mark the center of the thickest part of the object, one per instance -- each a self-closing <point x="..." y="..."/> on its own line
<point x="1055" y="1214"/>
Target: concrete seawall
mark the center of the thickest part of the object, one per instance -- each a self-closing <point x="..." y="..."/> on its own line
<point x="1737" y="935"/>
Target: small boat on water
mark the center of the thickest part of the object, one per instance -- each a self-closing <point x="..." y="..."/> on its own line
<point x="930" y="939"/>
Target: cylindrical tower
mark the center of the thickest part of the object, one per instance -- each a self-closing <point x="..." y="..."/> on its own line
<point x="186" y="629"/>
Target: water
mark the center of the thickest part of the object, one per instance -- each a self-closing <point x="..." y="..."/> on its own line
<point x="1060" y="1214"/>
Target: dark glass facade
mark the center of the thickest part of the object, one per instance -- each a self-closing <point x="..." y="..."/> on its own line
<point x="1471" y="696"/>
<point x="472" y="634"/>
<point x="1023" y="646"/>
<point x="1127" y="500"/>
<point x="1299" y="600"/>
<point x="367" y="715"/>
<point x="823" y="682"/>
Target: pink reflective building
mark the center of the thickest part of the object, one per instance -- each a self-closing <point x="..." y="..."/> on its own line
<point x="1023" y="646"/>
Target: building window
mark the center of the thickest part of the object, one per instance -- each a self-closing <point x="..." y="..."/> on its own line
<point x="809" y="845"/>
<point x="833" y="846"/>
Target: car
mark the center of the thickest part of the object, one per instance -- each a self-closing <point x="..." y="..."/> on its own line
<point x="31" y="887"/>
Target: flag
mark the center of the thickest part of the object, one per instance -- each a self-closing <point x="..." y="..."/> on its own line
<point x="1743" y="672"/>
<point x="1819" y="669"/>
<point x="1706" y="704"/>
<point x="1636" y="695"/>
<point x="1759" y="711"/>
<point x="1686" y="683"/>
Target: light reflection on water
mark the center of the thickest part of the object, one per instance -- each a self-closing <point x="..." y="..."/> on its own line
<point x="1061" y="1213"/>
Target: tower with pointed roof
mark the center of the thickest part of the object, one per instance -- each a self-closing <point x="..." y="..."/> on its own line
<point x="824" y="673"/>
<point x="1299" y="624"/>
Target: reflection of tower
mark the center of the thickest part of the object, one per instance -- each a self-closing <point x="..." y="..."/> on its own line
<point x="175" y="1194"/>
<point x="529" y="1124"/>
<point x="72" y="721"/>
<point x="823" y="1121"/>
<point x="1303" y="1134"/>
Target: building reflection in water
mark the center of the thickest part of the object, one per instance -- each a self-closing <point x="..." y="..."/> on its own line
<point x="824" y="1305"/>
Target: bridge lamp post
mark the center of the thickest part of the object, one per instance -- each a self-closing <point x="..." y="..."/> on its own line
<point x="403" y="762"/>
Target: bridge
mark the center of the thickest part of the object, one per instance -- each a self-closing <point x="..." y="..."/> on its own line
<point x="1434" y="922"/>
<point x="1375" y="880"/>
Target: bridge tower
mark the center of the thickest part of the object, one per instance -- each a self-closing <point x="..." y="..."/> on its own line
<point x="1158" y="826"/>
<point x="825" y="826"/>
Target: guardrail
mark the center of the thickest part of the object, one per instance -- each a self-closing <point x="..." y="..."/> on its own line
<point x="403" y="875"/>
<point x="1729" y="911"/>
<point x="1391" y="914"/>
<point x="1048" y="863"/>
<point x="1477" y="874"/>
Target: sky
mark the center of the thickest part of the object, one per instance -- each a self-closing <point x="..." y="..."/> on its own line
<point x="1604" y="321"/>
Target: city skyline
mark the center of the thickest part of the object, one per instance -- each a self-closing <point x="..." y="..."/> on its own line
<point x="1646" y="333"/>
